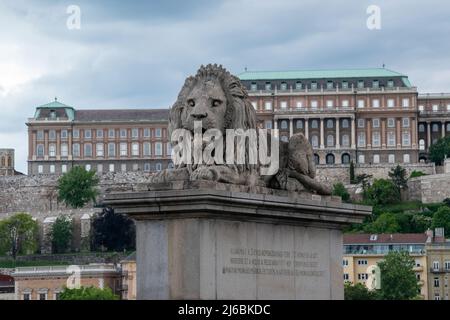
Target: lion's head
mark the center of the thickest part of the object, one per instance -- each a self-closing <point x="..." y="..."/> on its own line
<point x="216" y="98"/>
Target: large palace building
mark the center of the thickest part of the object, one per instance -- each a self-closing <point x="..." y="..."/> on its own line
<point x="360" y="115"/>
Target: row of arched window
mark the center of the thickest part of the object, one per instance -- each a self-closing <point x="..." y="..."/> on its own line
<point x="5" y="161"/>
<point x="330" y="158"/>
<point x="299" y="124"/>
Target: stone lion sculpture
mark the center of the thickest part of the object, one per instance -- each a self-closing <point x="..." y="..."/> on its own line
<point x="218" y="100"/>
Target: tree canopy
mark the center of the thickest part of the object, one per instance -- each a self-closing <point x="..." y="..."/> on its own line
<point x="441" y="219"/>
<point x="440" y="150"/>
<point x="88" y="293"/>
<point x="61" y="234"/>
<point x="398" y="279"/>
<point x="358" y="291"/>
<point x="77" y="187"/>
<point x="399" y="177"/>
<point x="113" y="231"/>
<point x="18" y="235"/>
<point x="381" y="192"/>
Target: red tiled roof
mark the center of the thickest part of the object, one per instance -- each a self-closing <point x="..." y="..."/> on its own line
<point x="363" y="238"/>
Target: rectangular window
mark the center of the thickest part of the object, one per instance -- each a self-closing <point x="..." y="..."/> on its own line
<point x="169" y="148"/>
<point x="135" y="133"/>
<point x="390" y="83"/>
<point x="147" y="167"/>
<point x="360" y="103"/>
<point x="158" y="132"/>
<point x="345" y="103"/>
<point x="123" y="133"/>
<point x="111" y="133"/>
<point x="391" y="123"/>
<point x="405" y="122"/>
<point x="268" y="105"/>
<point x="391" y="139"/>
<point x="40" y="135"/>
<point x="40" y="169"/>
<point x="268" y="86"/>
<point x="435" y="107"/>
<point x="123" y="149"/>
<point x="64" y="150"/>
<point x="135" y="149"/>
<point x="405" y="103"/>
<point x="406" y="139"/>
<point x="268" y="124"/>
<point x="361" y="123"/>
<point x="313" y="85"/>
<point x="147" y="149"/>
<point x="87" y="167"/>
<point x="253" y="86"/>
<point x="314" y="104"/>
<point x="298" y="85"/>
<point x="63" y="134"/>
<point x="255" y="105"/>
<point x="158" y="149"/>
<point x="111" y="167"/>
<point x="135" y="167"/>
<point x="52" y="135"/>
<point x="375" y="84"/>
<point x="76" y="133"/>
<point x="52" y="168"/>
<point x="436" y="282"/>
<point x="88" y="150"/>
<point x="111" y="149"/>
<point x="76" y="150"/>
<point x="26" y="296"/>
<point x="360" y="84"/>
<point x="299" y="104"/>
<point x="283" y="105"/>
<point x="123" y="167"/>
<point x="330" y="85"/>
<point x="361" y="158"/>
<point x="99" y="150"/>
<point x="52" y="150"/>
<point x="390" y="103"/>
<point x="361" y="139"/>
<point x="406" y="158"/>
<point x="375" y="103"/>
<point x="421" y="108"/>
<point x="344" y="85"/>
<point x="64" y="168"/>
<point x="376" y="123"/>
<point x="87" y="134"/>
<point x="346" y="277"/>
<point x="146" y="133"/>
<point x="100" y="168"/>
<point x="376" y="139"/>
<point x="391" y="158"/>
<point x="99" y="133"/>
<point x="376" y="158"/>
<point x="329" y="103"/>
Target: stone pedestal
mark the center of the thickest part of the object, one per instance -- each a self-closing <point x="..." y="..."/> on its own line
<point x="212" y="241"/>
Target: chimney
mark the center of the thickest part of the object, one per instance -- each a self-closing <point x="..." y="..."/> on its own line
<point x="429" y="234"/>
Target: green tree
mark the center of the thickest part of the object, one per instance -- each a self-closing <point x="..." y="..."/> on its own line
<point x="340" y="190"/>
<point x="18" y="235"/>
<point x="398" y="177"/>
<point x="385" y="223"/>
<point x="417" y="173"/>
<point x="113" y="231"/>
<point x="77" y="187"/>
<point x="439" y="150"/>
<point x="382" y="192"/>
<point x="61" y="234"/>
<point x="358" y="291"/>
<point x="441" y="219"/>
<point x="352" y="172"/>
<point x="88" y="293"/>
<point x="398" y="279"/>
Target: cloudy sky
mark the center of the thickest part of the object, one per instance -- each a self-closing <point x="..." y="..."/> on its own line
<point x="136" y="54"/>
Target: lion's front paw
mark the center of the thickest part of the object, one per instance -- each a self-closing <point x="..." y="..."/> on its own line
<point x="204" y="173"/>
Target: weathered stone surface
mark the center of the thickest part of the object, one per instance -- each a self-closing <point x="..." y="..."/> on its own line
<point x="429" y="189"/>
<point x="206" y="240"/>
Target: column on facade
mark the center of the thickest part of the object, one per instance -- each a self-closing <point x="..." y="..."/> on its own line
<point x="338" y="135"/>
<point x="275" y="123"/>
<point x="322" y="144"/>
<point x="399" y="136"/>
<point x="58" y="145"/>
<point x="45" y="145"/>
<point x="428" y="135"/>
<point x="383" y="133"/>
<point x="307" y="129"/>
<point x="443" y="129"/>
<point x="291" y="127"/>
<point x="353" y="136"/>
<point x="414" y="132"/>
<point x="368" y="133"/>
<point x="34" y="145"/>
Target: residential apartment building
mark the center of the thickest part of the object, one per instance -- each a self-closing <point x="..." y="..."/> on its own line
<point x="46" y="283"/>
<point x="364" y="115"/>
<point x="438" y="260"/>
<point x="430" y="250"/>
<point x="59" y="137"/>
<point x="363" y="251"/>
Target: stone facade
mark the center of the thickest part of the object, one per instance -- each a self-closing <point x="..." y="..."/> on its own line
<point x="429" y="189"/>
<point x="7" y="162"/>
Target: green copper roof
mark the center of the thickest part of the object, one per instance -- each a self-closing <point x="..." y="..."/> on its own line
<point x="70" y="111"/>
<point x="319" y="74"/>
